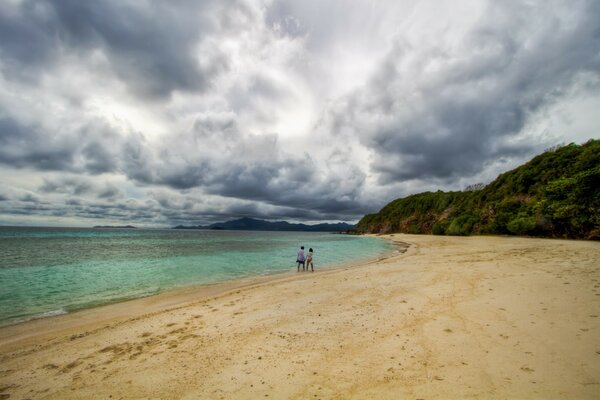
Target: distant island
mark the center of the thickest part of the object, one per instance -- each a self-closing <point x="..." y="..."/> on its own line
<point x="114" y="227"/>
<point x="556" y="194"/>
<point x="251" y="224"/>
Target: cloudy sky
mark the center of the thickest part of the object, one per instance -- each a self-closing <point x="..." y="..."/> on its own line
<point x="158" y="113"/>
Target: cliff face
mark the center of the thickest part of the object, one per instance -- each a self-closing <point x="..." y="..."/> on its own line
<point x="556" y="194"/>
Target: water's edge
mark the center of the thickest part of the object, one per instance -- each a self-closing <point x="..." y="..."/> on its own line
<point x="87" y="321"/>
<point x="199" y="290"/>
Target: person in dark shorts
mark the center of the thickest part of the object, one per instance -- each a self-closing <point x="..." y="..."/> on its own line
<point x="300" y="258"/>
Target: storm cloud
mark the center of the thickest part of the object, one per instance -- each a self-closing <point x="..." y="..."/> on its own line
<point x="193" y="112"/>
<point x="438" y="111"/>
<point x="150" y="48"/>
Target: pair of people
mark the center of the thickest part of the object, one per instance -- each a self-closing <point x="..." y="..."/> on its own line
<point x="308" y="260"/>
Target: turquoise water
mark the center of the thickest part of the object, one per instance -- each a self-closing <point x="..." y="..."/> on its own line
<point x="51" y="271"/>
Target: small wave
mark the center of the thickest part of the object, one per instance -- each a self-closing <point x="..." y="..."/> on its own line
<point x="113" y="298"/>
<point x="52" y="313"/>
<point x="24" y="318"/>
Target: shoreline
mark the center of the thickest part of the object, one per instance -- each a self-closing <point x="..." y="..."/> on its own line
<point x="453" y="317"/>
<point x="83" y="282"/>
<point x="93" y="318"/>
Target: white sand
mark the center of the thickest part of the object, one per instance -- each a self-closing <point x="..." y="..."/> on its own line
<point x="477" y="317"/>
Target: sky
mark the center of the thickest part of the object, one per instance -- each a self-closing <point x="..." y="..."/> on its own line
<point x="160" y="113"/>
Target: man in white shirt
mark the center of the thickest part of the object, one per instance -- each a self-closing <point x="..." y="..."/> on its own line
<point x="300" y="258"/>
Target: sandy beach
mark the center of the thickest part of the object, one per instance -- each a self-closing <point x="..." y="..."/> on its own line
<point x="450" y="318"/>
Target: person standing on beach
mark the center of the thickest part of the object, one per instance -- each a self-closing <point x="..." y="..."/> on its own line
<point x="309" y="260"/>
<point x="300" y="258"/>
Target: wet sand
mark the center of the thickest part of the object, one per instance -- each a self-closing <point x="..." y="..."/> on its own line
<point x="476" y="317"/>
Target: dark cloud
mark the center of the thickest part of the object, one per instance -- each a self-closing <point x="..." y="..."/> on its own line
<point x="110" y="192"/>
<point x="223" y="161"/>
<point x="80" y="186"/>
<point x="71" y="186"/>
<point x="137" y="159"/>
<point x="30" y="198"/>
<point x="27" y="146"/>
<point x="215" y="156"/>
<point x="93" y="148"/>
<point x="453" y="138"/>
<point x="100" y="146"/>
<point x="153" y="50"/>
<point x="27" y="34"/>
<point x="437" y="113"/>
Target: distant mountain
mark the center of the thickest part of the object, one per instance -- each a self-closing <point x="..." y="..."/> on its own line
<point x="114" y="227"/>
<point x="556" y="194"/>
<point x="251" y="224"/>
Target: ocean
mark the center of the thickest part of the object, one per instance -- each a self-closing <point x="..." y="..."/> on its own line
<point x="53" y="271"/>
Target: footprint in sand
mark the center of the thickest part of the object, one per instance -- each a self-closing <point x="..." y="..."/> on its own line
<point x="70" y="366"/>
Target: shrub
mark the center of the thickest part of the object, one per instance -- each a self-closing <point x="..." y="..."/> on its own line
<point x="439" y="228"/>
<point x="521" y="225"/>
<point x="462" y="225"/>
<point x="414" y="228"/>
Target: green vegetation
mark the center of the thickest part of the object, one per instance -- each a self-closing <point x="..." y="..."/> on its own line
<point x="556" y="194"/>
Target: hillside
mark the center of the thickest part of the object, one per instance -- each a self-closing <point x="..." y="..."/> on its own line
<point x="556" y="194"/>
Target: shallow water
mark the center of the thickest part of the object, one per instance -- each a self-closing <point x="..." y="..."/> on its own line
<point x="50" y="271"/>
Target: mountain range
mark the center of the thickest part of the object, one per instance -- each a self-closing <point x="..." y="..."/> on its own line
<point x="251" y="224"/>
